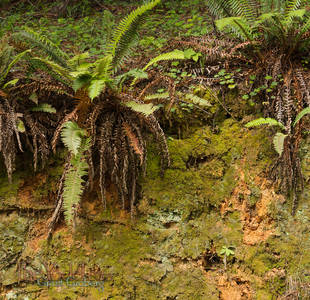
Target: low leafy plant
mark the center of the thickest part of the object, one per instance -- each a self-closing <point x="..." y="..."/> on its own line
<point x="106" y="111"/>
<point x="280" y="139"/>
<point x="226" y="253"/>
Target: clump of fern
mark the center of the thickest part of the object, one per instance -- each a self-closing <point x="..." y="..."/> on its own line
<point x="274" y="37"/>
<point x="116" y="122"/>
<point x="23" y="122"/>
<point x="281" y="139"/>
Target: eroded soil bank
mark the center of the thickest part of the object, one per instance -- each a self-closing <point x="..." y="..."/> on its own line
<point x="214" y="195"/>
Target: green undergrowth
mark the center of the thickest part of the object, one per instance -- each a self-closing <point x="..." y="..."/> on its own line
<point x="84" y="27"/>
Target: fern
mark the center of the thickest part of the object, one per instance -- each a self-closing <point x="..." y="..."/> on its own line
<point x="72" y="136"/>
<point x="11" y="64"/>
<point x="34" y="39"/>
<point x="146" y="109"/>
<point x="96" y="87"/>
<point x="243" y="8"/>
<point x="197" y="100"/>
<point x="219" y="8"/>
<point x="58" y="69"/>
<point x="278" y="142"/>
<point x="304" y="112"/>
<point x="126" y="32"/>
<point x="238" y="25"/>
<point x="44" y="107"/>
<point x="173" y="55"/>
<point x="75" y="140"/>
<point x="264" y="121"/>
<point x="11" y="82"/>
<point x="157" y="96"/>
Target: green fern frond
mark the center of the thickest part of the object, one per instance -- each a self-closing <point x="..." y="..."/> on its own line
<point x="11" y="64"/>
<point x="304" y="112"/>
<point x="6" y="55"/>
<point x="81" y="81"/>
<point x="75" y="140"/>
<point x="238" y="25"/>
<point x="96" y="87"/>
<point x="73" y="188"/>
<point x="126" y="32"/>
<point x="146" y="109"/>
<point x="305" y="28"/>
<point x="264" y="121"/>
<point x="197" y="100"/>
<point x="11" y="82"/>
<point x="78" y="59"/>
<point x="157" y="96"/>
<point x="173" y="55"/>
<point x="291" y="6"/>
<point x="266" y="17"/>
<point x="72" y="136"/>
<point x="135" y="73"/>
<point x="243" y="8"/>
<point x="278" y="142"/>
<point x="44" y="107"/>
<point x="58" y="69"/>
<point x="42" y="43"/>
<point x="219" y="8"/>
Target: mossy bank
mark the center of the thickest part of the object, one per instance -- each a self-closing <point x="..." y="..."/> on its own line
<point x="214" y="195"/>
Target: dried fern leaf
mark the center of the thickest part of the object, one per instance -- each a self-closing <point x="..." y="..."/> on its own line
<point x="133" y="141"/>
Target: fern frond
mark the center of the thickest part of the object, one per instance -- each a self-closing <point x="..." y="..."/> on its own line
<point x="264" y="121"/>
<point x="72" y="135"/>
<point x="238" y="25"/>
<point x="157" y="96"/>
<point x="146" y="109"/>
<point x="11" y="82"/>
<point x="126" y="32"/>
<point x="44" y="107"/>
<point x="197" y="100"/>
<point x="42" y="43"/>
<point x="278" y="142"/>
<point x="73" y="188"/>
<point x="304" y="112"/>
<point x="133" y="141"/>
<point x="243" y="8"/>
<point x="11" y="64"/>
<point x="173" y="55"/>
<point x="78" y="59"/>
<point x="81" y="81"/>
<point x="96" y="87"/>
<point x="219" y="8"/>
<point x="58" y="69"/>
<point x="291" y="6"/>
<point x="305" y="28"/>
<point x="104" y="67"/>
<point x="6" y="54"/>
<point x="75" y="140"/>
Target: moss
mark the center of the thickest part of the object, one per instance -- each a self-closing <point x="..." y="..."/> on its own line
<point x="159" y="252"/>
<point x="187" y="283"/>
<point x="264" y="295"/>
<point x="12" y="239"/>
